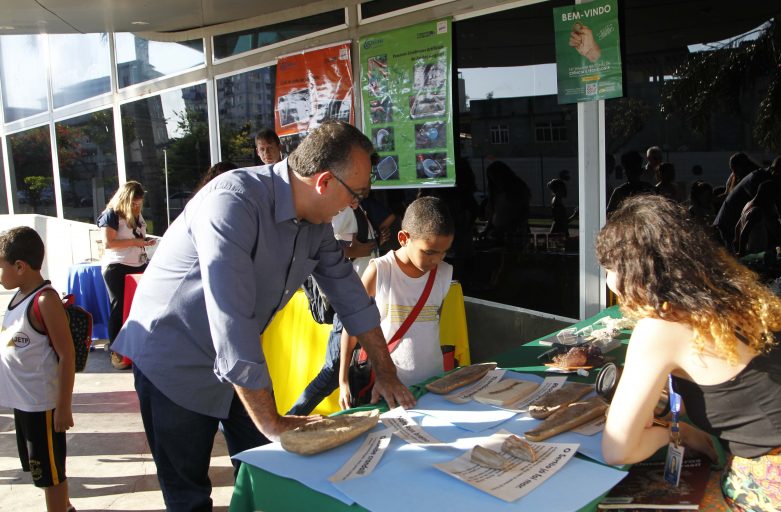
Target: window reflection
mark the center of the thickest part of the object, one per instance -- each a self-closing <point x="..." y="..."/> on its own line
<point x="32" y="181"/>
<point x="88" y="164"/>
<point x="3" y="195"/>
<point x="521" y="147"/>
<point x="80" y="67"/>
<point x="239" y="42"/>
<point x="246" y="105"/>
<point x="140" y="60"/>
<point x="377" y="7"/>
<point x="166" y="136"/>
<point x="23" y="76"/>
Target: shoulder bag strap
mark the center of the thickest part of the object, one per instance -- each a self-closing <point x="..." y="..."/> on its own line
<point x="396" y="339"/>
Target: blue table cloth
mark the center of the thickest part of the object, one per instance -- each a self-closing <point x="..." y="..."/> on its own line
<point x="85" y="282"/>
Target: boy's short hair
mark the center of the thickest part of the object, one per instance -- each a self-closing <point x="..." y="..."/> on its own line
<point x="22" y="243"/>
<point x="428" y="216"/>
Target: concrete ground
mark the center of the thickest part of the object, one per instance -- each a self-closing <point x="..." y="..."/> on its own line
<point x="109" y="465"/>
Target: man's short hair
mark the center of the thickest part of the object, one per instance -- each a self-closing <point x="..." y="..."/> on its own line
<point x="22" y="243"/>
<point x="328" y="147"/>
<point x="632" y="163"/>
<point x="267" y="135"/>
<point x="426" y="217"/>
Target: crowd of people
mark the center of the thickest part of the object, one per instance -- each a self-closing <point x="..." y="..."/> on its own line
<point x="249" y="238"/>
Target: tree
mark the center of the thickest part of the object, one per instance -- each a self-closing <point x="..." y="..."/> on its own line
<point x="719" y="79"/>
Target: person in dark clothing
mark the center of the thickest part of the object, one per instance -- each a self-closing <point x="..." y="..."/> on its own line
<point x="561" y="217"/>
<point x="632" y="163"/>
<point x="742" y="193"/>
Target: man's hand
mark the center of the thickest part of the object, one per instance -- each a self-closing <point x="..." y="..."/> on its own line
<point x="262" y="409"/>
<point x="63" y="419"/>
<point x="582" y="39"/>
<point x="393" y="391"/>
<point x="387" y="384"/>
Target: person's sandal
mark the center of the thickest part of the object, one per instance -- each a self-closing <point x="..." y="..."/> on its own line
<point x="118" y="362"/>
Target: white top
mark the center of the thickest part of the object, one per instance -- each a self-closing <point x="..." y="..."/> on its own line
<point x="345" y="227"/>
<point x="131" y="256"/>
<point x="28" y="363"/>
<point x="418" y="356"/>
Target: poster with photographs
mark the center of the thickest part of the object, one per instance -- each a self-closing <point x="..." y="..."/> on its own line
<point x="406" y="87"/>
<point x="312" y="86"/>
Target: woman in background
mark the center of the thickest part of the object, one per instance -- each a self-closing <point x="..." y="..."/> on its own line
<point x="707" y="321"/>
<point x="124" y="233"/>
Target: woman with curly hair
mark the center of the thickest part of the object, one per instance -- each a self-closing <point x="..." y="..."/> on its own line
<point x="709" y="323"/>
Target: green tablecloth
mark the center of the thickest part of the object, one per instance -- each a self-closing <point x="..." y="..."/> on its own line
<point x="257" y="489"/>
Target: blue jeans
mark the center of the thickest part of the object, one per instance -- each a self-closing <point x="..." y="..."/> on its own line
<point x="327" y="380"/>
<point x="181" y="443"/>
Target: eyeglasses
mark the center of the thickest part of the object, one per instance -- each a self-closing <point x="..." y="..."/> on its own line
<point x="356" y="196"/>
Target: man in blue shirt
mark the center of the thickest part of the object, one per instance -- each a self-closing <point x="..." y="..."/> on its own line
<point x="230" y="261"/>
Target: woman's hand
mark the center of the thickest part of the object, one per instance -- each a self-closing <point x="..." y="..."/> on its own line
<point x="696" y="439"/>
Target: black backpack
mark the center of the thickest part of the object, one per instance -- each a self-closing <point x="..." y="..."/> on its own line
<point x="79" y="323"/>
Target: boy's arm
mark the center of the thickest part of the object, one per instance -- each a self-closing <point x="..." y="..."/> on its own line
<point x="347" y="346"/>
<point x="56" y="321"/>
<point x="348" y="342"/>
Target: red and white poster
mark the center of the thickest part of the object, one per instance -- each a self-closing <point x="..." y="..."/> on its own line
<point x="313" y="86"/>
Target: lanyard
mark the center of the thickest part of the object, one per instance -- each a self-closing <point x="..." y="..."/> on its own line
<point x="675" y="409"/>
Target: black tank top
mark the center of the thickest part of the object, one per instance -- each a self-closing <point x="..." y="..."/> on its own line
<point x="745" y="411"/>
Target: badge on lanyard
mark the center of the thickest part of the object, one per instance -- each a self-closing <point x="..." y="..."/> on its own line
<point x="674" y="462"/>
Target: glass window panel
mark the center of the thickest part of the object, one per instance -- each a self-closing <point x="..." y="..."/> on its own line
<point x="676" y="99"/>
<point x="246" y="105"/>
<point x="377" y="7"/>
<point x="32" y="180"/>
<point x="166" y="136"/>
<point x="81" y="66"/>
<point x="23" y="76"/>
<point x="86" y="153"/>
<point x="515" y="138"/>
<point x="139" y="59"/>
<point x="234" y="43"/>
<point x="3" y="195"/>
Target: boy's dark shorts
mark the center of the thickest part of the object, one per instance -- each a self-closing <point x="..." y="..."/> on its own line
<point x="41" y="449"/>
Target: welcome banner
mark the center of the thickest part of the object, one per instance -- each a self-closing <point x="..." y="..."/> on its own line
<point x="588" y="51"/>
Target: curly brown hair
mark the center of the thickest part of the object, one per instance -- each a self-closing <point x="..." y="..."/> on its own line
<point x="667" y="267"/>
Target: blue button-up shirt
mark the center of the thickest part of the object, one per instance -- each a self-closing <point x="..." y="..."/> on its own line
<point x="228" y="263"/>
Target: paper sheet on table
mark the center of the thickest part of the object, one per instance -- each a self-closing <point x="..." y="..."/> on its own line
<point x="425" y="488"/>
<point x="548" y="385"/>
<point x="400" y="421"/>
<point x="366" y="458"/>
<point x="465" y="395"/>
<point x="463" y="416"/>
<point x="519" y="478"/>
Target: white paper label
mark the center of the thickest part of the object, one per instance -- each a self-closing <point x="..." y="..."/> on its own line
<point x="366" y="458"/>
<point x="548" y="385"/>
<point x="465" y="395"/>
<point x="406" y="428"/>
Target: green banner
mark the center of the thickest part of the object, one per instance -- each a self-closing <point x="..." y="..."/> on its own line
<point x="406" y="90"/>
<point x="588" y="51"/>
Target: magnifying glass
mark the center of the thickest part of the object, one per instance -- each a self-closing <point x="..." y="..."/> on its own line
<point x="607" y="382"/>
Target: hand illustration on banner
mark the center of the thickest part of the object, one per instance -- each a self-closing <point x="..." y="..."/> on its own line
<point x="582" y="39"/>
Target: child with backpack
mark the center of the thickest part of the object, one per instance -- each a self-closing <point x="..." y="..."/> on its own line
<point x="37" y="370"/>
<point x="409" y="286"/>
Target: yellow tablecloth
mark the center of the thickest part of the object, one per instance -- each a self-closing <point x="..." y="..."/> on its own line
<point x="294" y="345"/>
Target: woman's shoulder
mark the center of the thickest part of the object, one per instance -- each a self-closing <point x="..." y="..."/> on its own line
<point x="656" y="335"/>
<point x="108" y="218"/>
